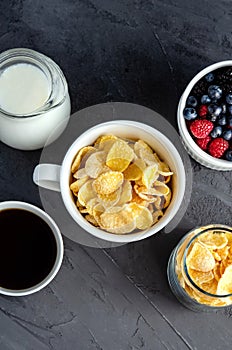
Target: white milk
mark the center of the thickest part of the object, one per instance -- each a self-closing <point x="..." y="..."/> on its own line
<point x="34" y="101"/>
<point x="23" y="89"/>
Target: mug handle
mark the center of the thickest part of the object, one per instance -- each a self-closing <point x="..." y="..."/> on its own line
<point x="47" y="176"/>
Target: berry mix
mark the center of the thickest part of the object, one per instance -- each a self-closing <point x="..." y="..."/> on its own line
<point x="208" y="113"/>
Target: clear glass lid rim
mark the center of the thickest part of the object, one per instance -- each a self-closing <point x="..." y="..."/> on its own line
<point x="218" y="227"/>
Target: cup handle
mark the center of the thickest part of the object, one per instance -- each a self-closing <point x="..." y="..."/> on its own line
<point x="47" y="176"/>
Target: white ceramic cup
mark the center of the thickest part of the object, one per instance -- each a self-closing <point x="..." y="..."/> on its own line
<point x="56" y="177"/>
<point x="190" y="145"/>
<point x="59" y="245"/>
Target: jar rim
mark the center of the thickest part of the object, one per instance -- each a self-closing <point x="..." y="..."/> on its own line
<point x="206" y="228"/>
<point x="43" y="61"/>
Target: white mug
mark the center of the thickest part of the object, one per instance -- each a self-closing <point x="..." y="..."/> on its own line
<point x="59" y="247"/>
<point x="56" y="177"/>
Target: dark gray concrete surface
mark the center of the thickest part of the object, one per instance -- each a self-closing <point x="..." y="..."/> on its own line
<point x="137" y="51"/>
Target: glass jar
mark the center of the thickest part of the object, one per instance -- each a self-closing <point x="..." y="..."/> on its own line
<point x="34" y="99"/>
<point x="200" y="268"/>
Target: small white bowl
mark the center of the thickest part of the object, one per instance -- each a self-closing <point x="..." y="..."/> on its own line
<point x="192" y="148"/>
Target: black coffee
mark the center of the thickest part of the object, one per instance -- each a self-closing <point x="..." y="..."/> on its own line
<point x="27" y="249"/>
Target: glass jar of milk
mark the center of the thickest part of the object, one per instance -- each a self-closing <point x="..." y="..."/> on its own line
<point x="34" y="99"/>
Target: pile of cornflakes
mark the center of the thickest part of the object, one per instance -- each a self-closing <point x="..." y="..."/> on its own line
<point x="120" y="185"/>
<point x="209" y="266"/>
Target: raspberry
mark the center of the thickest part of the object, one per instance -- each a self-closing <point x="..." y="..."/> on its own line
<point x="203" y="110"/>
<point x="217" y="147"/>
<point x="203" y="143"/>
<point x="201" y="128"/>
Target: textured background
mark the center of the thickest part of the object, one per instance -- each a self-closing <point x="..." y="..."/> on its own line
<point x="134" y="51"/>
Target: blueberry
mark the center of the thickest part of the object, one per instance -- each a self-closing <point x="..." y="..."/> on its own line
<point x="229" y="99"/>
<point x="229" y="121"/>
<point x="209" y="77"/>
<point x="205" y="99"/>
<point x="214" y="92"/>
<point x="223" y="105"/>
<point x="222" y="120"/>
<point x="190" y="113"/>
<point x="227" y="135"/>
<point x="229" y="155"/>
<point x="216" y="132"/>
<point x="229" y="109"/>
<point x="191" y="101"/>
<point x="213" y="118"/>
<point x="214" y="110"/>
